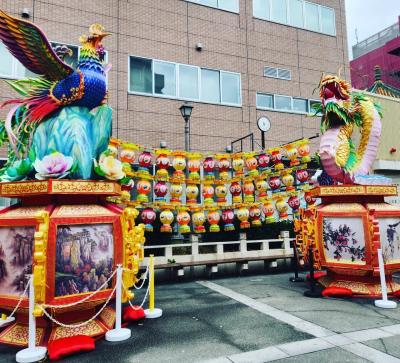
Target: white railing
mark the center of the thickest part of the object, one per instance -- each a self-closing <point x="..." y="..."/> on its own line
<point x="196" y="252"/>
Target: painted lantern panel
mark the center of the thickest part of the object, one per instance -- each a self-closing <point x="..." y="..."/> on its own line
<point x="16" y="248"/>
<point x="84" y="258"/>
<point x="344" y="240"/>
<point x="390" y="238"/>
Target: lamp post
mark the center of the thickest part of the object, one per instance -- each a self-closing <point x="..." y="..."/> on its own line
<point x="186" y="111"/>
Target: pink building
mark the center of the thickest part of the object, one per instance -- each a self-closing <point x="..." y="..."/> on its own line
<point x="381" y="49"/>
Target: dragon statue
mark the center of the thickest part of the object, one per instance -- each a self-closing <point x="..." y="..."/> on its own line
<point x="342" y="112"/>
<point x="61" y="110"/>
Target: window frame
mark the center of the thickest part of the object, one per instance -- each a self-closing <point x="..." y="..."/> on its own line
<point x="178" y="96"/>
<point x="277" y="69"/>
<point x="274" y="109"/>
<point x="216" y="7"/>
<point x="288" y="22"/>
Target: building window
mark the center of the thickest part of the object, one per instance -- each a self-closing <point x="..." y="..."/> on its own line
<point x="297" y="13"/>
<point x="228" y="5"/>
<point x="280" y="73"/>
<point x="183" y="81"/>
<point x="283" y="103"/>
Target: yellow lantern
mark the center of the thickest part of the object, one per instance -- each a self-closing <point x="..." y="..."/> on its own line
<point x="179" y="164"/>
<point x="282" y="207"/>
<point x="166" y="219"/>
<point x="251" y="164"/>
<point x="243" y="215"/>
<point x="288" y="179"/>
<point x="183" y="219"/>
<point x="262" y="187"/>
<point x="213" y="218"/>
<point x="221" y="191"/>
<point x="113" y="147"/>
<point x="198" y="220"/>
<point x="304" y="150"/>
<point x="192" y="192"/>
<point x="176" y="191"/>
<point x="292" y="153"/>
<point x="238" y="164"/>
<point x="162" y="163"/>
<point x="128" y="152"/>
<point x="269" y="211"/>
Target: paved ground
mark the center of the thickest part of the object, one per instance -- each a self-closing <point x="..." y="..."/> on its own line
<point x="252" y="319"/>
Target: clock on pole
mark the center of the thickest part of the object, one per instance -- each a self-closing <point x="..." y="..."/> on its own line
<point x="264" y="125"/>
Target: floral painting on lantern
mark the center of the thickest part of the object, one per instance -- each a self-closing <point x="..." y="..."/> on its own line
<point x="84" y="258"/>
<point x="343" y="240"/>
<point x="16" y="248"/>
<point x="390" y="238"/>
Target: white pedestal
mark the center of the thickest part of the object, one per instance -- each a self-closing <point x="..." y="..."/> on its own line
<point x="6" y="322"/>
<point x="152" y="314"/>
<point x="29" y="355"/>
<point x="118" y="335"/>
<point x="386" y="304"/>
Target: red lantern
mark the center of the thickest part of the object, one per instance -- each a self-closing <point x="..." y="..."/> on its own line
<point x="274" y="183"/>
<point x="236" y="191"/>
<point x="294" y="203"/>
<point x="255" y="216"/>
<point x="145" y="161"/>
<point x="263" y="161"/>
<point x="223" y="166"/>
<point x="160" y="190"/>
<point x="162" y="163"/>
<point x="302" y="175"/>
<point x="208" y="167"/>
<point x="148" y="217"/>
<point x="269" y="211"/>
<point x="248" y="191"/>
<point x="228" y="217"/>
<point x="276" y="158"/>
<point x="213" y="218"/>
<point x="310" y="200"/>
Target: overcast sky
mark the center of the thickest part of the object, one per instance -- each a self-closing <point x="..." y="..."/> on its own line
<point x="369" y="17"/>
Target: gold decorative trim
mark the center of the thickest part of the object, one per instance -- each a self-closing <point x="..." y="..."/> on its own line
<point x="82" y="210"/>
<point x="326" y="191"/>
<point x="11" y="189"/>
<point x="382" y="190"/>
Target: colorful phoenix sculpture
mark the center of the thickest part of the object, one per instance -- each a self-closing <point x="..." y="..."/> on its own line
<point x="342" y="112"/>
<point x="53" y="113"/>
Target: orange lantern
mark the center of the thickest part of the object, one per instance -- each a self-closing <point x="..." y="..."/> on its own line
<point x="304" y="150"/>
<point x="162" y="163"/>
<point x="194" y="164"/>
<point x="221" y="191"/>
<point x="269" y="211"/>
<point x="309" y="198"/>
<point x="208" y="193"/>
<point x="128" y="152"/>
<point x="255" y="215"/>
<point x="251" y="164"/>
<point x="282" y="207"/>
<point x="248" y="191"/>
<point x="166" y="219"/>
<point x="262" y="187"/>
<point x="213" y="218"/>
<point x="292" y="153"/>
<point x="237" y="164"/>
<point x="143" y="188"/>
<point x="198" y="220"/>
<point x="113" y="147"/>
<point x="276" y="158"/>
<point x="243" y="215"/>
<point x="183" y="219"/>
<point x="176" y="191"/>
<point x="192" y="192"/>
<point x="223" y="165"/>
<point x="179" y="164"/>
<point x="288" y="179"/>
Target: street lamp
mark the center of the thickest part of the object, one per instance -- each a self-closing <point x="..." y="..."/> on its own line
<point x="186" y="111"/>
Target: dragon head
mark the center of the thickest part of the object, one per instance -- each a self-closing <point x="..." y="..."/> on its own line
<point x="336" y="103"/>
<point x="93" y="41"/>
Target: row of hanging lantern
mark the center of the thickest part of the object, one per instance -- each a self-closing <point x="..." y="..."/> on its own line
<point x="249" y="215"/>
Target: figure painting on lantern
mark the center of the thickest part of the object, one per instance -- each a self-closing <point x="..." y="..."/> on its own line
<point x="390" y="238"/>
<point x="16" y="247"/>
<point x="84" y="258"/>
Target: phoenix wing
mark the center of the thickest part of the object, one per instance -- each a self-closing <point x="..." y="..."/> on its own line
<point x="30" y="46"/>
